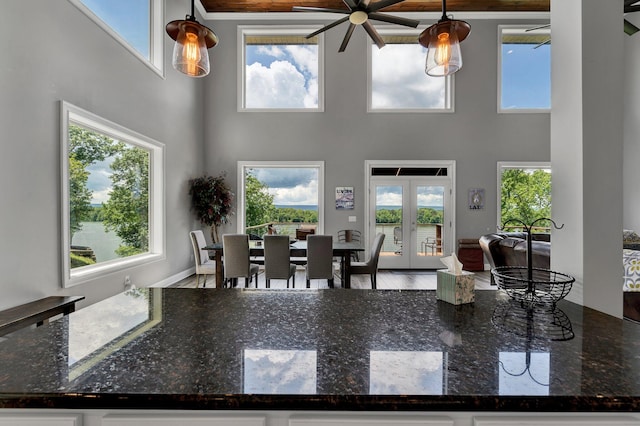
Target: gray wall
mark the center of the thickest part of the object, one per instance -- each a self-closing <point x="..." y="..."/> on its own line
<point x="345" y="135"/>
<point x="50" y="52"/>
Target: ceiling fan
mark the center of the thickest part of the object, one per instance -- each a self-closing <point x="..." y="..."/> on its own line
<point x="359" y="13"/>
<point x="629" y="28"/>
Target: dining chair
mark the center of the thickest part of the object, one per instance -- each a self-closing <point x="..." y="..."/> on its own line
<point x="235" y="258"/>
<point x="370" y="267"/>
<point x="277" y="264"/>
<point x="348" y="236"/>
<point x="320" y="259"/>
<point x="204" y="265"/>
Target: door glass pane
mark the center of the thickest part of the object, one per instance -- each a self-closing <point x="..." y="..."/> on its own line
<point x="429" y="220"/>
<point x="389" y="218"/>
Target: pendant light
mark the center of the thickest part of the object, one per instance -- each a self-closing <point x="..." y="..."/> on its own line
<point x="190" y="54"/>
<point x="442" y="41"/>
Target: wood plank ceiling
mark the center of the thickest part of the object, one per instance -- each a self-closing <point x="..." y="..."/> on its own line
<point x="248" y="6"/>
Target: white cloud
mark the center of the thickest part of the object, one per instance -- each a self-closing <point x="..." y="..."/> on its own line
<point x="306" y="194"/>
<point x="270" y="50"/>
<point x="306" y="57"/>
<point x="279" y="86"/>
<point x="399" y="80"/>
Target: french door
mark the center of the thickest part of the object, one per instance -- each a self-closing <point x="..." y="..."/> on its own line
<point x="413" y="209"/>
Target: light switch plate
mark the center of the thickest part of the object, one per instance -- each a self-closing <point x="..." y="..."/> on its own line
<point x="352" y="218"/>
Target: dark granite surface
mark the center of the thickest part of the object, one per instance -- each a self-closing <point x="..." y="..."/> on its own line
<point x="323" y="349"/>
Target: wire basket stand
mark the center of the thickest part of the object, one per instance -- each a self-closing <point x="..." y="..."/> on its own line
<point x="531" y="285"/>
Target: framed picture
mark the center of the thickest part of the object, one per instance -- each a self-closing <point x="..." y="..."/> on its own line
<point x="476" y="199"/>
<point x="344" y="197"/>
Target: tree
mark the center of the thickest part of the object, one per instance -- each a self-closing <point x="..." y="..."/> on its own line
<point x="258" y="202"/>
<point x="211" y="201"/>
<point x="526" y="195"/>
<point x="127" y="210"/>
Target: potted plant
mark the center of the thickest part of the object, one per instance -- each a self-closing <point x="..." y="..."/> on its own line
<point x="211" y="201"/>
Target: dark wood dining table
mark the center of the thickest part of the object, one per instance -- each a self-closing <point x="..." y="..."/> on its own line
<point x="343" y="250"/>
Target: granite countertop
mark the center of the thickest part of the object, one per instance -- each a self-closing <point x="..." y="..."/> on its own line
<point x="323" y="350"/>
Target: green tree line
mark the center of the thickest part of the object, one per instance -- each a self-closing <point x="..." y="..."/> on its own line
<point x="426" y="215"/>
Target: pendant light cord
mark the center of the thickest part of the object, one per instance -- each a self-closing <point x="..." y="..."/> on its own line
<point x="444" y="10"/>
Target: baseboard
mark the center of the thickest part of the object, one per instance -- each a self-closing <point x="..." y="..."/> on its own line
<point x="175" y="278"/>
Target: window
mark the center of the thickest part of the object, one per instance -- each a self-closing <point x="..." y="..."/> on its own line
<point x="524" y="67"/>
<point x="288" y="195"/>
<point x="113" y="197"/>
<point x="525" y="194"/>
<point x="397" y="80"/>
<point x="137" y="24"/>
<point x="281" y="69"/>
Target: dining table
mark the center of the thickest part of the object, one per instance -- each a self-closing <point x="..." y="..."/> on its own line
<point x="298" y="249"/>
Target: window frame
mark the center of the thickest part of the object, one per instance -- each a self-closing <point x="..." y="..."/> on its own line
<point x="502" y="110"/>
<point x="156" y="34"/>
<point x="157" y="246"/>
<point x="276" y="30"/>
<point x="449" y="85"/>
<point x="504" y="165"/>
<point x="243" y="165"/>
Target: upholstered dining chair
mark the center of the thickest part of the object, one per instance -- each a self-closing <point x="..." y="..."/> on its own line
<point x="235" y="258"/>
<point x="204" y="265"/>
<point x="320" y="259"/>
<point x="370" y="267"/>
<point x="277" y="263"/>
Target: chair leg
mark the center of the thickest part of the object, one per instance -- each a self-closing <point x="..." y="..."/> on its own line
<point x="330" y="282"/>
<point x="308" y="283"/>
<point x="294" y="281"/>
<point x="247" y="280"/>
<point x="204" y="284"/>
<point x="373" y="281"/>
<point x="197" y="280"/>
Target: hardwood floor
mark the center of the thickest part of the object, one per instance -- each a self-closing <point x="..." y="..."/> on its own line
<point x="387" y="280"/>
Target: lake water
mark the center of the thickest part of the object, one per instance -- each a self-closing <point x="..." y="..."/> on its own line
<point x="102" y="242"/>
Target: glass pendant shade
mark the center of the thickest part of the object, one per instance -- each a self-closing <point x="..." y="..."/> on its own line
<point x="190" y="54"/>
<point x="443" y="55"/>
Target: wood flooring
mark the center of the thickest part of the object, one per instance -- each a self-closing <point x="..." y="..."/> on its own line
<point x="387" y="280"/>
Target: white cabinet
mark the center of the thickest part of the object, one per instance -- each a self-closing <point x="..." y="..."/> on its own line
<point x="577" y="420"/>
<point x="41" y="420"/>
<point x="182" y="420"/>
<point x="370" y="420"/>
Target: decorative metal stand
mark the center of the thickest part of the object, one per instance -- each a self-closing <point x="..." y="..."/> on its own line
<point x="528" y="284"/>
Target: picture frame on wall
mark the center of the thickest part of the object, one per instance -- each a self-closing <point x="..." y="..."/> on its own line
<point x="476" y="198"/>
<point x="344" y="198"/>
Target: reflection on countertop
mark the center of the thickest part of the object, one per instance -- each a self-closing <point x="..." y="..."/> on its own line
<point x="323" y="349"/>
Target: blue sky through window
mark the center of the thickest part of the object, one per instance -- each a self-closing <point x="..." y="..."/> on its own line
<point x="129" y="18"/>
<point x="281" y="76"/>
<point x="526" y="76"/>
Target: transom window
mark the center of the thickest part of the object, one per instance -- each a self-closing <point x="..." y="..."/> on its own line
<point x="397" y="78"/>
<point x="136" y="24"/>
<point x="524" y="68"/>
<point x="280" y="69"/>
<point x="113" y="201"/>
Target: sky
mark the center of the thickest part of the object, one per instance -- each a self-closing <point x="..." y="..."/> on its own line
<point x="391" y="195"/>
<point x="290" y="186"/>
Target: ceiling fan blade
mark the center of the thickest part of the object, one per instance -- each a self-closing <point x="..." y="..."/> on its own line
<point x="347" y="36"/>
<point x="382" y="4"/>
<point x="542" y="44"/>
<point x="328" y="27"/>
<point x="317" y="9"/>
<point x="351" y="4"/>
<point x="539" y="27"/>
<point x="630" y="8"/>
<point x="394" y="19"/>
<point x="374" y="34"/>
<point x="629" y="2"/>
<point x="629" y="28"/>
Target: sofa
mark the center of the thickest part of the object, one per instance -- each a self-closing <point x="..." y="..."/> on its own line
<point x="510" y="249"/>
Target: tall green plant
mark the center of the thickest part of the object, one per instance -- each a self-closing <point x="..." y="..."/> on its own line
<point x="211" y="202"/>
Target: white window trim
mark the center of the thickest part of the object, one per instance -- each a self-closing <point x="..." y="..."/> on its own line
<point x="156" y="27"/>
<point x="75" y="276"/>
<point x="243" y="165"/>
<point x="505" y="165"/>
<point x="278" y="30"/>
<point x="499" y="91"/>
<point x="450" y="80"/>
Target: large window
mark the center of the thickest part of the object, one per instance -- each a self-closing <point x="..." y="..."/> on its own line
<point x="398" y="82"/>
<point x="280" y="69"/>
<point x="525" y="194"/>
<point x="286" y="195"/>
<point x="112" y="188"/>
<point x="136" y="24"/>
<point x="524" y="68"/>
